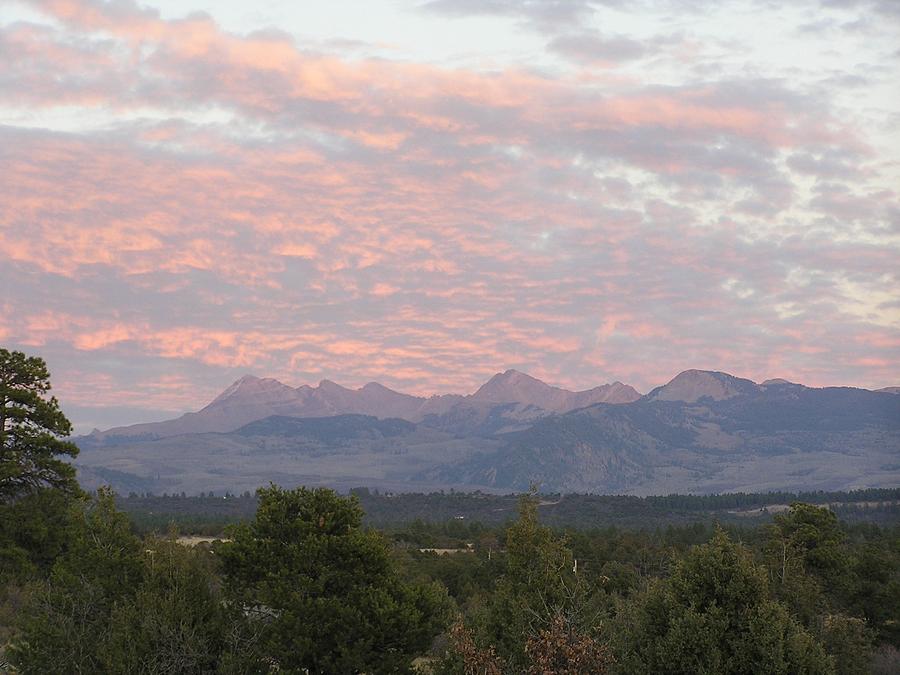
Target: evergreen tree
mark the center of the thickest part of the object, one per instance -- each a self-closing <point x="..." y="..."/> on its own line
<point x="814" y="534"/>
<point x="176" y="622"/>
<point x="64" y="624"/>
<point x="35" y="530"/>
<point x="322" y="592"/>
<point x="542" y="614"/>
<point x="31" y="430"/>
<point x="714" y="615"/>
<point x="114" y="604"/>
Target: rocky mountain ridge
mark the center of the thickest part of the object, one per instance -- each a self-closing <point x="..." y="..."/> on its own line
<point x="252" y="398"/>
<point x="703" y="431"/>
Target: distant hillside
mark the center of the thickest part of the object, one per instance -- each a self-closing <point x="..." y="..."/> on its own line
<point x="515" y="387"/>
<point x="702" y="432"/>
<point x="723" y="434"/>
<point x="327" y="430"/>
<point x="692" y="385"/>
<point x="253" y="398"/>
<point x="341" y="451"/>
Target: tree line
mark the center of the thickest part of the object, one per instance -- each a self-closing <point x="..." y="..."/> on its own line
<point x="209" y="513"/>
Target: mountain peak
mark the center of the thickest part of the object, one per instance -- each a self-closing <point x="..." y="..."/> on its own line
<point x="615" y="392"/>
<point x="242" y="382"/>
<point x="511" y="386"/>
<point x="252" y="398"/>
<point x="778" y="381"/>
<point x="239" y="384"/>
<point x="251" y="387"/>
<point x="512" y="375"/>
<point x="329" y="385"/>
<point x="692" y="385"/>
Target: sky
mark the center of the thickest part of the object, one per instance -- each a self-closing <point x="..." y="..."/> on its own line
<point x="426" y="192"/>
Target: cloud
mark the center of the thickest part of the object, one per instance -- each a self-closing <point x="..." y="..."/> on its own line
<point x="543" y="13"/>
<point x="590" y="48"/>
<point x="886" y="8"/>
<point x="834" y="163"/>
<point x="236" y="203"/>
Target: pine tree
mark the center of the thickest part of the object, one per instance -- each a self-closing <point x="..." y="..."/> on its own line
<point x="714" y="615"/>
<point x="324" y="593"/>
<point x="31" y="430"/>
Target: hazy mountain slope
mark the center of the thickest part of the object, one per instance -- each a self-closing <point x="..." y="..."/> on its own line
<point x="701" y="432"/>
<point x="692" y="385"/>
<point x="571" y="451"/>
<point x="252" y="398"/>
<point x="515" y="387"/>
<point x="343" y="451"/>
<point x="248" y="399"/>
<point x="513" y="401"/>
<point x="485" y="418"/>
<point x="752" y="437"/>
<point x="328" y="430"/>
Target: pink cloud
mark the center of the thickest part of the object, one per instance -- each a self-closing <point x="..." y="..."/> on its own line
<point x="423" y="226"/>
<point x="104" y="338"/>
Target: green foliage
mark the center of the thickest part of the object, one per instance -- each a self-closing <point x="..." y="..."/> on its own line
<point x="466" y="576"/>
<point x="65" y="621"/>
<point x="177" y="621"/>
<point x="714" y="616"/>
<point x="849" y="641"/>
<point x="541" y="608"/>
<point x="874" y="586"/>
<point x="805" y="553"/>
<point x="34" y="531"/>
<point x="445" y="519"/>
<point x="31" y="427"/>
<point x="820" y="578"/>
<point x="816" y="534"/>
<point x="324" y="593"/>
<point x="114" y="604"/>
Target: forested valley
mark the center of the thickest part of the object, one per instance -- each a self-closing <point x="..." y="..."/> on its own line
<point x="304" y="586"/>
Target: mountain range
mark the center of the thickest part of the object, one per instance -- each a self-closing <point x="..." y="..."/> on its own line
<point x="253" y="398"/>
<point x="703" y="431"/>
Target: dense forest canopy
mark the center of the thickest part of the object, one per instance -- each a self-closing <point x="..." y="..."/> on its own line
<point x="209" y="513"/>
<point x="803" y="592"/>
